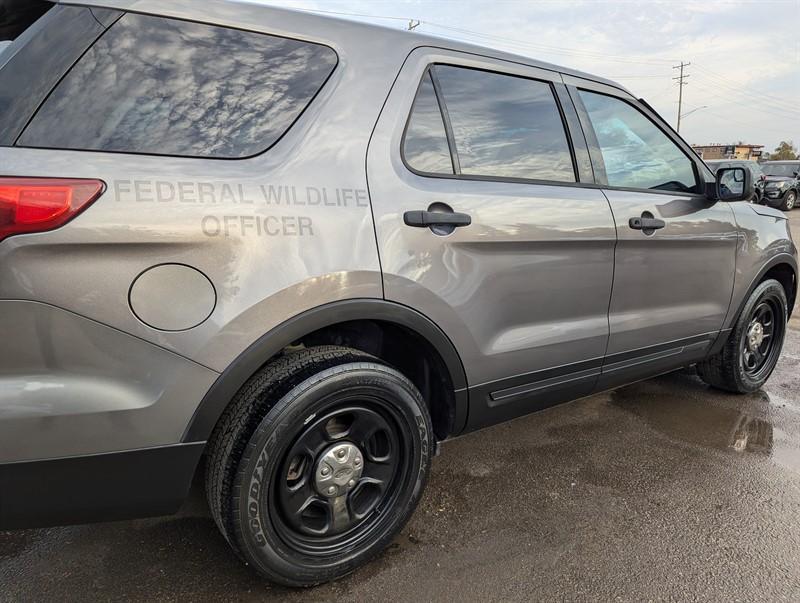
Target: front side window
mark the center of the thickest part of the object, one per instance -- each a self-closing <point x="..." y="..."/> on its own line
<point x="502" y="126"/>
<point x="169" y="87"/>
<point x="636" y="153"/>
<point x="756" y="170"/>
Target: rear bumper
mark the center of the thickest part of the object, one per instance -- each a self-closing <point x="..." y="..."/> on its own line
<point x="91" y="420"/>
<point x="100" y="487"/>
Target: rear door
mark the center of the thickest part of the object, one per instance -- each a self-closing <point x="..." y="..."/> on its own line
<point x="675" y="256"/>
<point x="523" y="289"/>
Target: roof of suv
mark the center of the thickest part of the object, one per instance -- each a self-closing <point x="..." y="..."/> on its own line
<point x="731" y="161"/>
<point x="223" y="12"/>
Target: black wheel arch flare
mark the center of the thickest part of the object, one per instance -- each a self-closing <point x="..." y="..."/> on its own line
<point x="777" y="260"/>
<point x="273" y="342"/>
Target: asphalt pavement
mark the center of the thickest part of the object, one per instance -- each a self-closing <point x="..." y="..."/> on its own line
<point x="663" y="490"/>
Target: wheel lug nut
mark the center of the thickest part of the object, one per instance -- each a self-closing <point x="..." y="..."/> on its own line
<point x="351" y="483"/>
<point x="325" y="471"/>
<point x="331" y="490"/>
<point x="357" y="462"/>
<point x="341" y="453"/>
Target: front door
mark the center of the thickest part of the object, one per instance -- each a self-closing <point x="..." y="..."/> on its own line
<point x="676" y="250"/>
<point x="483" y="228"/>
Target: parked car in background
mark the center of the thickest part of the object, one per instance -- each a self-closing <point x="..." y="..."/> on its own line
<point x="759" y="179"/>
<point x="782" y="184"/>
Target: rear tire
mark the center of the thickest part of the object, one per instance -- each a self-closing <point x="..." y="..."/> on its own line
<point x="754" y="345"/>
<point x="318" y="463"/>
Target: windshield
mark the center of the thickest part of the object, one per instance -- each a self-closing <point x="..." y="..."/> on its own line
<point x="755" y="168"/>
<point x="781" y="169"/>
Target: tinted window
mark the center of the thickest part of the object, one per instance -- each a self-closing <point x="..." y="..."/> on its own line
<point x="754" y="168"/>
<point x="425" y="145"/>
<point x="505" y="126"/>
<point x="17" y="15"/>
<point x="37" y="60"/>
<point x="162" y="86"/>
<point x="636" y="153"/>
<point x="781" y="169"/>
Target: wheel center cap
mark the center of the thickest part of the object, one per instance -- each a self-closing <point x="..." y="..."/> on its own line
<point x="755" y="336"/>
<point x="338" y="469"/>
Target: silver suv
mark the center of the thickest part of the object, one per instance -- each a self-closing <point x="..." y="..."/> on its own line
<point x="290" y="254"/>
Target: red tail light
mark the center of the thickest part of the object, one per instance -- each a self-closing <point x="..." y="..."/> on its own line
<point x="39" y="204"/>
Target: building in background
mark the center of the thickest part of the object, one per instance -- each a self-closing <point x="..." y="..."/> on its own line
<point x="729" y="151"/>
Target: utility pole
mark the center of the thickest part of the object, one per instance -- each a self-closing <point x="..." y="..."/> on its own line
<point x="413" y="24"/>
<point x="681" y="83"/>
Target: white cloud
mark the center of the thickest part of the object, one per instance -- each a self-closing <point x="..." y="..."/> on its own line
<point x="745" y="54"/>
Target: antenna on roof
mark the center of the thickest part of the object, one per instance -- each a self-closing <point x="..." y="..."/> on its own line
<point x="413" y="24"/>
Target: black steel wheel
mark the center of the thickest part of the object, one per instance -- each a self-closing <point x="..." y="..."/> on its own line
<point x="337" y="475"/>
<point x="317" y="465"/>
<point x="757" y="344"/>
<point x="749" y="356"/>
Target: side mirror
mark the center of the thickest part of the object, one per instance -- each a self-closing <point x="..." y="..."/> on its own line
<point x="734" y="184"/>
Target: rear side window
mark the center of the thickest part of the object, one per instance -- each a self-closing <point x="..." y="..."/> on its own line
<point x="169" y="87"/>
<point x="17" y="15"/>
<point x="39" y="56"/>
<point x="505" y="126"/>
<point x="426" y="148"/>
<point x="788" y="170"/>
<point x="502" y="126"/>
<point x="636" y="153"/>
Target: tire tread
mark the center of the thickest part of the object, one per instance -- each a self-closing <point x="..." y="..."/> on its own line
<point x="243" y="415"/>
<point x="722" y="370"/>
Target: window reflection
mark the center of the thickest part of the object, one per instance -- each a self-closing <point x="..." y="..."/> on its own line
<point x="505" y="126"/>
<point x="635" y="152"/>
<point x="162" y="86"/>
<point x="425" y="145"/>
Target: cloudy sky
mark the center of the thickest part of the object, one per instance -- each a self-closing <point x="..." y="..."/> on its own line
<point x="744" y="54"/>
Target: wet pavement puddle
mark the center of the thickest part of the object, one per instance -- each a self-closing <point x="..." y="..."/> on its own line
<point x="682" y="408"/>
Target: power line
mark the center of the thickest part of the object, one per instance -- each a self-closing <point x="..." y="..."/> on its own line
<point x="738" y="85"/>
<point x="715" y="90"/>
<point x="752" y="110"/>
<point x="551" y="49"/>
<point x="681" y="83"/>
<point x="634" y="77"/>
<point x="343" y="14"/>
<point x="759" y="125"/>
<point x="764" y="100"/>
<point x="505" y="40"/>
<point x="737" y="89"/>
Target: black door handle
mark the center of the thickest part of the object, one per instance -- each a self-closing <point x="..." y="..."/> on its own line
<point x="424" y="219"/>
<point x="647" y="224"/>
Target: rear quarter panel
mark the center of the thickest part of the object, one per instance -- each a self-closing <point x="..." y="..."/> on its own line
<point x="276" y="234"/>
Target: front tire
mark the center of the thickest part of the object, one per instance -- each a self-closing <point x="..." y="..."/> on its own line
<point x="318" y="463"/>
<point x="789" y="200"/>
<point x="754" y="345"/>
